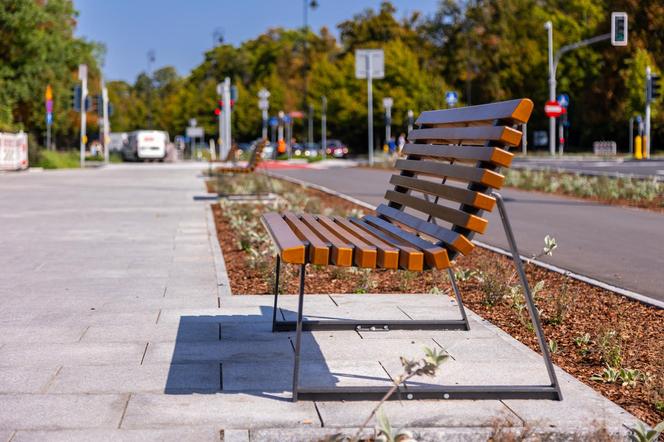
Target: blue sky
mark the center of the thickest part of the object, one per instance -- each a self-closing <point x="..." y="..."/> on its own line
<point x="180" y="31"/>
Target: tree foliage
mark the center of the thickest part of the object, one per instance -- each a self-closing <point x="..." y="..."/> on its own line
<point x="486" y="50"/>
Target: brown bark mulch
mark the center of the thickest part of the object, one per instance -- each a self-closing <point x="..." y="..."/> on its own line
<point x="569" y="310"/>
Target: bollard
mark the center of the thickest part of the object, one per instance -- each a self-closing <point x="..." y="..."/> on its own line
<point x="637" y="148"/>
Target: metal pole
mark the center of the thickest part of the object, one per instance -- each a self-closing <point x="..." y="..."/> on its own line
<point x="227" y="116"/>
<point x="277" y="270"/>
<point x="561" y="139"/>
<point x="524" y="139"/>
<point x="647" y="143"/>
<point x="552" y="89"/>
<point x="530" y="304"/>
<point x="370" y="109"/>
<point x="311" y="125"/>
<point x="264" y="124"/>
<point x="410" y="120"/>
<point x="323" y="127"/>
<point x="388" y="126"/>
<point x="107" y="126"/>
<point x="298" y="334"/>
<point x="48" y="135"/>
<point x="83" y="73"/>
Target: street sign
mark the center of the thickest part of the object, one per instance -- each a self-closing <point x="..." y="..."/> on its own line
<point x="48" y="95"/>
<point x="286" y="119"/>
<point x="195" y="132"/>
<point x="273" y="121"/>
<point x="296" y="114"/>
<point x="563" y="100"/>
<point x="49" y="118"/>
<point x="193" y="122"/>
<point x="553" y="109"/>
<point x="373" y="59"/>
<point x="49" y="106"/>
<point x="451" y="98"/>
<point x="388" y="102"/>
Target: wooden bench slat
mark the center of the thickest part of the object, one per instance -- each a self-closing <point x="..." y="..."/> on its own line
<point x="319" y="251"/>
<point x="494" y="155"/>
<point x="454" y="216"/>
<point x="516" y="111"/>
<point x="341" y="252"/>
<point x="456" y="172"/>
<point x="410" y="258"/>
<point x="450" y="193"/>
<point x="469" y="135"/>
<point x="387" y="255"/>
<point x="434" y="256"/>
<point x="364" y="255"/>
<point x="449" y="238"/>
<point x="290" y="247"/>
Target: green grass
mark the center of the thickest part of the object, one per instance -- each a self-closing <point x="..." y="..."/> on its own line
<point x="58" y="160"/>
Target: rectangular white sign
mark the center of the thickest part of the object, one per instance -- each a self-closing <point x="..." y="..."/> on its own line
<point x="373" y="58"/>
<point x="195" y="132"/>
<point x="13" y="151"/>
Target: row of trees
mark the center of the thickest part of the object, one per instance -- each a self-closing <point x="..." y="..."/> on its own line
<point x="486" y="50"/>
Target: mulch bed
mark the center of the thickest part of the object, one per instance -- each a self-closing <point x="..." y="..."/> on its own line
<point x="588" y="310"/>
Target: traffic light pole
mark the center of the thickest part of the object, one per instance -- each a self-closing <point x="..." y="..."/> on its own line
<point x="323" y="128"/>
<point x="648" y="94"/>
<point x="83" y="76"/>
<point x="553" y="67"/>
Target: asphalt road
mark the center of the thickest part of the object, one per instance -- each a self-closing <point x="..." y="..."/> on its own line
<point x="594" y="166"/>
<point x="620" y="246"/>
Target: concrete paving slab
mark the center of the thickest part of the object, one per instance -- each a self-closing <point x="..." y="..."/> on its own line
<point x="52" y="412"/>
<point x="236" y="436"/>
<point x="420" y="413"/>
<point x="36" y="334"/>
<point x="15" y="355"/>
<point x="186" y="352"/>
<point x="26" y="380"/>
<point x="173" y="434"/>
<point x="132" y="378"/>
<point x="195" y="332"/>
<point x="234" y="411"/>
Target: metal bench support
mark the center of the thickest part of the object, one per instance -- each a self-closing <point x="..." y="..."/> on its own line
<point x="495" y="392"/>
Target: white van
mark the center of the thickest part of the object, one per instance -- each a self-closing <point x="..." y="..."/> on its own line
<point x="146" y="145"/>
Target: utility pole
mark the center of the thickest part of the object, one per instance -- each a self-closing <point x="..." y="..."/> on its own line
<point x="105" y="119"/>
<point x="370" y="110"/>
<point x="151" y="59"/>
<point x="323" y="126"/>
<point x="83" y="76"/>
<point x="648" y="99"/>
<point x="552" y="89"/>
<point x="310" y="134"/>
<point x="227" y="116"/>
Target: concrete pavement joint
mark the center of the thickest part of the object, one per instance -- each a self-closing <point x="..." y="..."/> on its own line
<point x="51" y="380"/>
<point x="223" y="283"/>
<point x="124" y="411"/>
<point x="618" y="290"/>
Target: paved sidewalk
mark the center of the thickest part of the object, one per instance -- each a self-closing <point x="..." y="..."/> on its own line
<point x="117" y="324"/>
<point x="615" y="245"/>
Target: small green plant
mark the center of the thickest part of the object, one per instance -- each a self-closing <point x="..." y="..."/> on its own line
<point x="464" y="275"/>
<point x="641" y="433"/>
<point x="583" y="344"/>
<point x="426" y="366"/>
<point x="630" y="377"/>
<point x="608" y="376"/>
<point x="562" y="303"/>
<point x="553" y="346"/>
<point x="387" y="434"/>
<point x="436" y="291"/>
<point x="406" y="280"/>
<point x="610" y="348"/>
<point x="493" y="287"/>
<point x="366" y="282"/>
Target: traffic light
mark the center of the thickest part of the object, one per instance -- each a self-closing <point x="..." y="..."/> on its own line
<point x="619" y="28"/>
<point x="76" y="98"/>
<point x="654" y="89"/>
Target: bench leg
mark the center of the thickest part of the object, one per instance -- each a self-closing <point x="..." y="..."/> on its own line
<point x="457" y="295"/>
<point x="532" y="309"/>
<point x="298" y="334"/>
<point x="277" y="270"/>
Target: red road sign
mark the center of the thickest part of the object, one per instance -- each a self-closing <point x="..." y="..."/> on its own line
<point x="553" y="109"/>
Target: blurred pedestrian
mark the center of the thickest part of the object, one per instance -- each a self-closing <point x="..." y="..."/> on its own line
<point x="401" y="143"/>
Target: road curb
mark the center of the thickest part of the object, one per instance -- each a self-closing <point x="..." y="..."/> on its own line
<point x="587" y="279"/>
<point x="223" y="283"/>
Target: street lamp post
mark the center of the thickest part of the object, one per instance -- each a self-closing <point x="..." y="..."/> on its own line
<point x="323" y="126"/>
<point x="552" y="89"/>
<point x="411" y="115"/>
<point x="263" y="106"/>
<point x="151" y="60"/>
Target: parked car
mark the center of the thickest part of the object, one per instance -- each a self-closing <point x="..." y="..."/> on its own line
<point x="336" y="149"/>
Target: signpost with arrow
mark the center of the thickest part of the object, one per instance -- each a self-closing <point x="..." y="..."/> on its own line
<point x="48" y="96"/>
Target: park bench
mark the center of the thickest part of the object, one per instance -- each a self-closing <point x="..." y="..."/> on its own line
<point x="254" y="160"/>
<point x="466" y="145"/>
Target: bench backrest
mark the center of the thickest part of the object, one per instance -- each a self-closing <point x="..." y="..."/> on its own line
<point x="467" y="145"/>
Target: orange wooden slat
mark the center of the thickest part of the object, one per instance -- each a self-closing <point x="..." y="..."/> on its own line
<point x="341" y="252"/>
<point x="388" y="255"/>
<point x="290" y="247"/>
<point x="364" y="255"/>
<point x="319" y="252"/>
